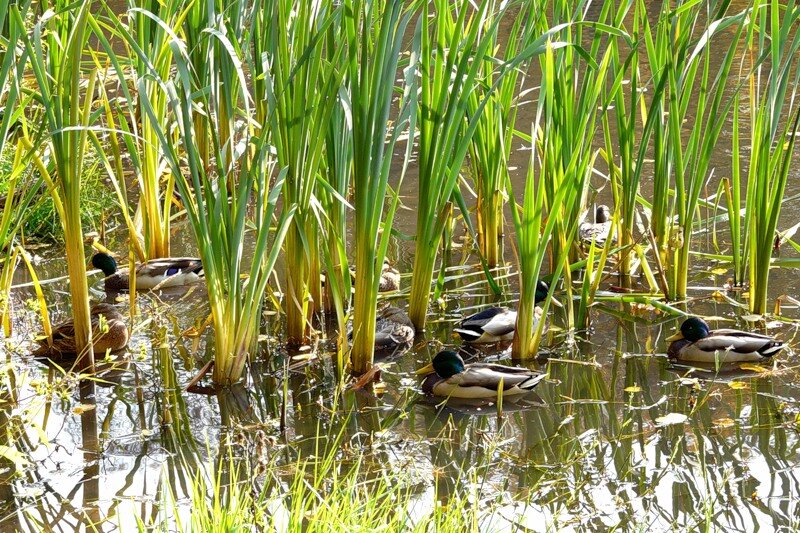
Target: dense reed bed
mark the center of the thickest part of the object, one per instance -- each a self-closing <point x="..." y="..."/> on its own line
<point x="207" y="109"/>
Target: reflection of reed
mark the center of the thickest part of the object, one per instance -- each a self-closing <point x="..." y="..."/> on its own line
<point x="91" y="453"/>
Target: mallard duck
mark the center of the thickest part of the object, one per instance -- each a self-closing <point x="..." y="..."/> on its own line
<point x="497" y="324"/>
<point x="598" y="230"/>
<point x="393" y="330"/>
<point x="389" y="280"/>
<point x="448" y="376"/>
<point x="109" y="333"/>
<point x="167" y="272"/>
<point x="695" y="342"/>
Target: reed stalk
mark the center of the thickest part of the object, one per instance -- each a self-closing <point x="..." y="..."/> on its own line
<point x="490" y="146"/>
<point x="303" y="79"/>
<point x="691" y="154"/>
<point x="775" y="42"/>
<point x="453" y="35"/>
<point x="374" y="35"/>
<point x="570" y="93"/>
<point x="56" y="47"/>
<point x="219" y="198"/>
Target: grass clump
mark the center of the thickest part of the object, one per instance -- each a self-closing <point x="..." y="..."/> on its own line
<point x="42" y="224"/>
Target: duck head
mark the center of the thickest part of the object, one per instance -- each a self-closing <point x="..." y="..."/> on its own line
<point x="693" y="329"/>
<point x="104" y="262"/>
<point x="446" y="364"/>
<point x="542" y="290"/>
<point x="602" y="214"/>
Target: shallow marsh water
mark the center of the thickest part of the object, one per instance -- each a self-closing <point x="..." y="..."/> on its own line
<point x="617" y="437"/>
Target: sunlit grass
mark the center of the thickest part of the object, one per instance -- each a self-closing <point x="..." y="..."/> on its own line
<point x="55" y="48"/>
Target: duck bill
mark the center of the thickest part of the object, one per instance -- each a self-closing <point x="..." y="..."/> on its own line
<point x="555" y="302"/>
<point x="678" y="336"/>
<point x="425" y="370"/>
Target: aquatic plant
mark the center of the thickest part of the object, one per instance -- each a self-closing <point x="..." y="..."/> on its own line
<point x="19" y="188"/>
<point x="451" y="35"/>
<point x="220" y="213"/>
<point x="55" y="49"/>
<point x="374" y="36"/>
<point x="491" y="144"/>
<point x="774" y="44"/>
<point x="301" y="86"/>
<point x="149" y="30"/>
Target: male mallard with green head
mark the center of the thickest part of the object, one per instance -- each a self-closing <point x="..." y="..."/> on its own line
<point x="449" y="377"/>
<point x="696" y="342"/>
<point x="109" y="333"/>
<point x="167" y="272"/>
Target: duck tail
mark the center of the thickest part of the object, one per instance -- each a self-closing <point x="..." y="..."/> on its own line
<point x="532" y="381"/>
<point x="468" y="334"/>
<point x="771" y="348"/>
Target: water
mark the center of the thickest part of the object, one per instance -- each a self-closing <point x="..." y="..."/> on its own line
<point x="617" y="436"/>
<point x="601" y="443"/>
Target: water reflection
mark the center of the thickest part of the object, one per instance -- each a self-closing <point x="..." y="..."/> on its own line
<point x="616" y="437"/>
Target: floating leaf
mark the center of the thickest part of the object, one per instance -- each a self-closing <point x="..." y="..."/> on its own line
<point x="671" y="418"/>
<point x="633" y="388"/>
<point x="752" y="366"/>
<point x="724" y="422"/>
<point x="738" y="385"/>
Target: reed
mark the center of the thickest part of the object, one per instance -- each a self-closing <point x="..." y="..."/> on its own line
<point x="55" y="49"/>
<point x="490" y="146"/>
<point x="302" y="82"/>
<point x="150" y="234"/>
<point x="452" y="36"/>
<point x="374" y="35"/>
<point x="218" y="199"/>
<point x="690" y="155"/>
<point x="333" y="193"/>
<point x="774" y="44"/>
<point x="573" y="83"/>
<point x="20" y="187"/>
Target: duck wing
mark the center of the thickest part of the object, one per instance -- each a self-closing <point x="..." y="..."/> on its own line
<point x="170" y="266"/>
<point x="496" y="321"/>
<point x="489" y="376"/>
<point x="740" y="342"/>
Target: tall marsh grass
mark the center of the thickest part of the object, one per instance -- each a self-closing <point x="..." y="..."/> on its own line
<point x="231" y="206"/>
<point x="55" y="48"/>
<point x="374" y="34"/>
<point x="773" y="42"/>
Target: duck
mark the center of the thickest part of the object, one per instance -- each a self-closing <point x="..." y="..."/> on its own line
<point x="695" y="341"/>
<point x="447" y="376"/>
<point x="109" y="334"/>
<point x="497" y="324"/>
<point x="156" y="273"/>
<point x="598" y="230"/>
<point x="389" y="280"/>
<point x="394" y="330"/>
